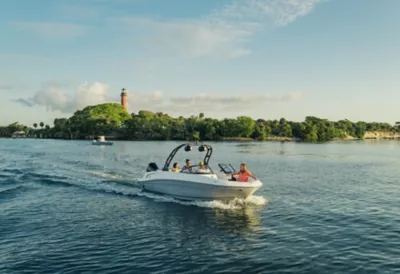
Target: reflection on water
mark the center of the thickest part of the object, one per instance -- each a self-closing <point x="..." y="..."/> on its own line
<point x="123" y="148"/>
<point x="263" y="148"/>
<point x="243" y="221"/>
<point x="247" y="144"/>
<point x="238" y="217"/>
<point x="282" y="149"/>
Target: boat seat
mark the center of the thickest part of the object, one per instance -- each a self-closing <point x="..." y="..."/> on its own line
<point x="152" y="167"/>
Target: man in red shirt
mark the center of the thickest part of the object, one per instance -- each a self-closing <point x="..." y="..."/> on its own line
<point x="243" y="173"/>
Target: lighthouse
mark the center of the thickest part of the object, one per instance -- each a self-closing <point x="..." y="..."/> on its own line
<point x="124" y="99"/>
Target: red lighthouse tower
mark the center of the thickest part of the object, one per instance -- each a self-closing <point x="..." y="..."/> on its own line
<point x="124" y="99"/>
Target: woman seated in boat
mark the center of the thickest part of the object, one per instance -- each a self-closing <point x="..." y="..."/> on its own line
<point x="175" y="167"/>
<point x="243" y="174"/>
<point x="202" y="168"/>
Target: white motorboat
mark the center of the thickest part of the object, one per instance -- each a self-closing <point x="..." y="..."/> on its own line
<point x="195" y="184"/>
<point x="101" y="141"/>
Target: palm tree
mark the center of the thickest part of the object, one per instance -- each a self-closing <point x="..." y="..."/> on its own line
<point x="35" y="125"/>
<point x="41" y="124"/>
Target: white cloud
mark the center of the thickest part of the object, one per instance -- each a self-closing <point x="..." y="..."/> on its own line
<point x="230" y="103"/>
<point x="224" y="32"/>
<point x="294" y="96"/>
<point x="195" y="38"/>
<point x="279" y="13"/>
<point x="52" y="29"/>
<point x="56" y="98"/>
<point x="93" y="94"/>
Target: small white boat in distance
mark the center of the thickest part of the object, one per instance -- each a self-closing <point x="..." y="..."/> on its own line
<point x="195" y="183"/>
<point x="101" y="141"/>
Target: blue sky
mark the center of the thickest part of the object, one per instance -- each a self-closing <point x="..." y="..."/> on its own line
<point x="268" y="59"/>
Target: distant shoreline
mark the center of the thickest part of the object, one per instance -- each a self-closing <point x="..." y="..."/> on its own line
<point x="369" y="136"/>
<point x="113" y="122"/>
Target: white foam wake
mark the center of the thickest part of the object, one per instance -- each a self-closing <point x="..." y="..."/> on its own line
<point x="103" y="174"/>
<point x="231" y="205"/>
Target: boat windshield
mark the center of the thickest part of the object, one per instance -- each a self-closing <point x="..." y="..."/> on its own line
<point x="227" y="168"/>
<point x="197" y="169"/>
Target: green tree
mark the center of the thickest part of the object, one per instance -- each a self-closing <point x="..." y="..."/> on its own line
<point x="359" y="129"/>
<point x="196" y="136"/>
<point x="285" y="130"/>
<point x="246" y="126"/>
<point x="310" y="132"/>
<point x="111" y="118"/>
<point x="100" y="119"/>
<point x="260" y="132"/>
<point x="145" y="113"/>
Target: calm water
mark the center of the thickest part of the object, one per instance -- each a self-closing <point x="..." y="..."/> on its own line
<point x="70" y="207"/>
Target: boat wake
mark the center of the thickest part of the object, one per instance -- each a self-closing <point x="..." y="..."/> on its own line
<point x="112" y="183"/>
<point x="231" y="205"/>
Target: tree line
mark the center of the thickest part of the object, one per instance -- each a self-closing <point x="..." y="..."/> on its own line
<point x="111" y="119"/>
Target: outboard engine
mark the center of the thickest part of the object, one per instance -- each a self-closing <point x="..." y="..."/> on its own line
<point x="152" y="167"/>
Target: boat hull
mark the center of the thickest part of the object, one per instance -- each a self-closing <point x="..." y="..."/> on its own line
<point x="196" y="187"/>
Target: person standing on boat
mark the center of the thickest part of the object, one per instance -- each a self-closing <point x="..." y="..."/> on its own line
<point x="243" y="174"/>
